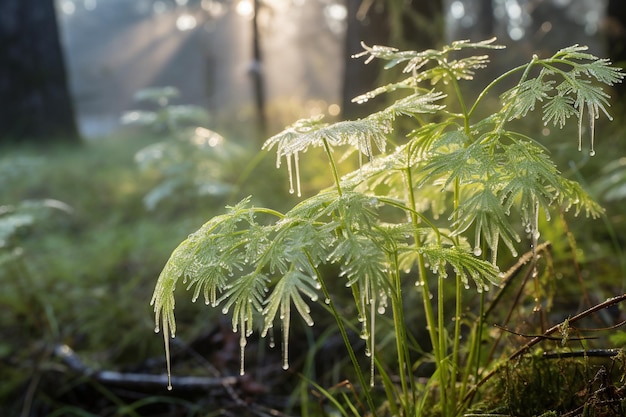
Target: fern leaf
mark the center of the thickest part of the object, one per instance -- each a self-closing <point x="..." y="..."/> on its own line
<point x="522" y="98"/>
<point x="464" y="263"/>
<point x="604" y="72"/>
<point x="558" y="109"/>
<point x="574" y="195"/>
<point x="413" y="105"/>
<point x="288" y="290"/>
<point x="484" y="211"/>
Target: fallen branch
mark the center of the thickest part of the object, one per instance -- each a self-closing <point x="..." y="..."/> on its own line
<point x="73" y="361"/>
<point x="532" y="342"/>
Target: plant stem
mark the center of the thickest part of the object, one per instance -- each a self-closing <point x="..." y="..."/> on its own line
<point x="428" y="307"/>
<point x="333" y="166"/>
<point x="344" y="336"/>
<point x="404" y="362"/>
<point x="492" y="84"/>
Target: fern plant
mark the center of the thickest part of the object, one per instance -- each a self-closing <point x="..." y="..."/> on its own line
<point x="434" y="205"/>
<point x="191" y="161"/>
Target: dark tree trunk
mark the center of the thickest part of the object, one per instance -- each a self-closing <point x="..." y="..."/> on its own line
<point x="34" y="99"/>
<point x="415" y="24"/>
<point x="615" y="31"/>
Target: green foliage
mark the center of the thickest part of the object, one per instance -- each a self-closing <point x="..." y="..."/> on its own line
<point x="405" y="216"/>
<point x="191" y="161"/>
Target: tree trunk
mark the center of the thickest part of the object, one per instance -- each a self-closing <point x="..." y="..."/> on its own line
<point x="615" y="32"/>
<point x="415" y="24"/>
<point x="34" y="97"/>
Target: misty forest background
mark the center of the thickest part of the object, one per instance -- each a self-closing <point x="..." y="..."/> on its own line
<point x="97" y="189"/>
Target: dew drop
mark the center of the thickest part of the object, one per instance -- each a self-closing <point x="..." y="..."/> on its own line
<point x="477" y="251"/>
<point x="290" y="172"/>
<point x="297" y="166"/>
<point x="169" y="387"/>
<point x="242" y="352"/>
<point x="592" y="153"/>
<point x="157" y="329"/>
<point x="327" y="301"/>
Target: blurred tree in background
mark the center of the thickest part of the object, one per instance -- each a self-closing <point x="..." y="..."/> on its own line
<point x="34" y="96"/>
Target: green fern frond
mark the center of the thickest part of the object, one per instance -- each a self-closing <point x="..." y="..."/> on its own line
<point x="573" y="195"/>
<point x="482" y="208"/>
<point x="558" y="109"/>
<point x="524" y="96"/>
<point x="464" y="264"/>
<point x="417" y="60"/>
<point x="293" y="139"/>
<point x="289" y="289"/>
<point x="409" y="83"/>
<point x="189" y="259"/>
<point x="412" y="105"/>
<point x="528" y="177"/>
<point x="245" y="296"/>
<point x="453" y="162"/>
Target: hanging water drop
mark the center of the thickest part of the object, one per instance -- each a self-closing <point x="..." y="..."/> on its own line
<point x="290" y="173"/>
<point x="285" y="331"/>
<point x="297" y="166"/>
<point x="242" y="351"/>
<point x="580" y="128"/>
<point x="478" y="251"/>
<point x="592" y="118"/>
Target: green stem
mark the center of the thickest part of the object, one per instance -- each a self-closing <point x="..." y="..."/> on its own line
<point x="333" y="166"/>
<point x="346" y="340"/>
<point x="495" y="82"/>
<point x="428" y="307"/>
<point x="404" y="359"/>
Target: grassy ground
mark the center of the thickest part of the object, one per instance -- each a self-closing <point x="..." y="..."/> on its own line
<point x="83" y="272"/>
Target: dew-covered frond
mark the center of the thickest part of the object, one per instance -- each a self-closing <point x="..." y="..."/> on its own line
<point x="463" y="263"/>
<point x="482" y="209"/>
<point x="361" y="257"/>
<point x="413" y="105"/>
<point x="294" y="139"/>
<point x="314" y="207"/>
<point x="574" y="52"/>
<point x="603" y="71"/>
<point x="289" y="289"/>
<point x="295" y="243"/>
<point x="189" y="259"/>
<point x="408" y="83"/>
<point x="573" y="195"/>
<point x="394" y="55"/>
<point x="465" y="68"/>
<point x="454" y="162"/>
<point x="528" y="176"/>
<point x="382" y="170"/>
<point x="594" y="97"/>
<point x="416" y="60"/>
<point x="354" y="210"/>
<point x="558" y="109"/>
<point x="522" y="98"/>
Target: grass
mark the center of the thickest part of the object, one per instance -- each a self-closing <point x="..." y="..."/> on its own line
<point x="83" y="278"/>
